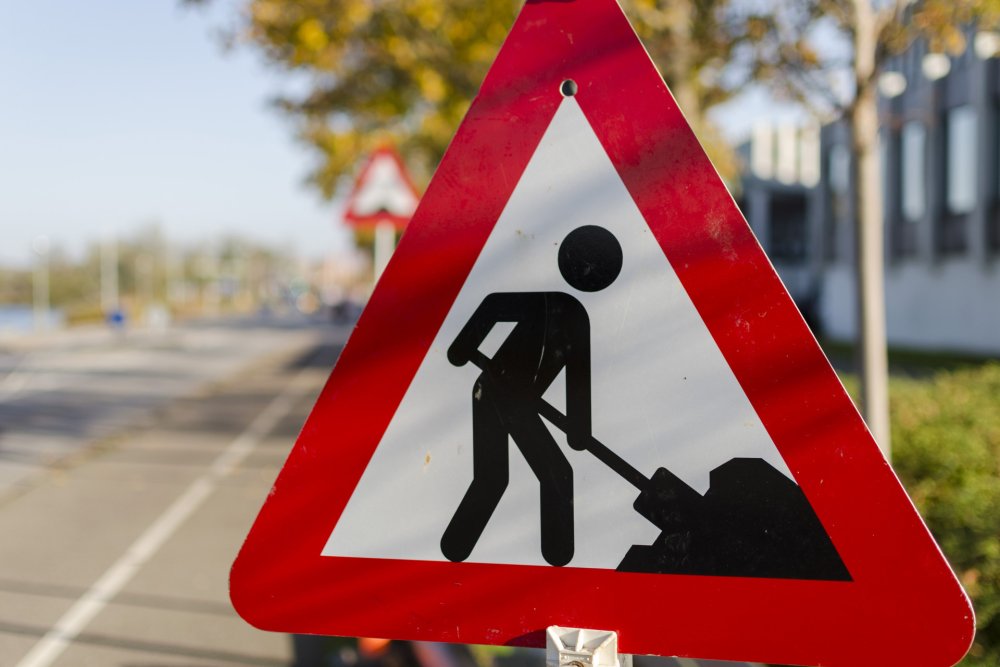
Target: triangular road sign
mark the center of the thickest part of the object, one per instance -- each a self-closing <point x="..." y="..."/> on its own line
<point x="383" y="192"/>
<point x="580" y="396"/>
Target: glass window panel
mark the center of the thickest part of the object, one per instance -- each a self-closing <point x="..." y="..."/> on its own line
<point x="914" y="185"/>
<point x="961" y="181"/>
<point x="840" y="169"/>
<point x="788" y="229"/>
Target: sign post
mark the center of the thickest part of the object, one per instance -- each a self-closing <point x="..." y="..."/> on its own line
<point x="385" y="244"/>
<point x="580" y="396"/>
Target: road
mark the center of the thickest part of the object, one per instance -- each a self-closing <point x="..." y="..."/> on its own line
<point x="120" y="556"/>
<point x="65" y="391"/>
<point x="117" y="538"/>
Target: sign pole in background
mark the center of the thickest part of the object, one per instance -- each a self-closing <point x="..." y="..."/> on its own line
<point x="385" y="244"/>
<point x="383" y="199"/>
<point x="580" y="396"/>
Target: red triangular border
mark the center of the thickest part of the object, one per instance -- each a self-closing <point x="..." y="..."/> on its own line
<point x="904" y="605"/>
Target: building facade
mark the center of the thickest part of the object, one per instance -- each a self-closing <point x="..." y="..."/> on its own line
<point x="940" y="150"/>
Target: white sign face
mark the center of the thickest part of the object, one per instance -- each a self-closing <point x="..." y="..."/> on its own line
<point x="661" y="393"/>
<point x="384" y="189"/>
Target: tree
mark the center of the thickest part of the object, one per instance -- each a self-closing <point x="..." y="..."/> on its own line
<point x="407" y="70"/>
<point x="788" y="52"/>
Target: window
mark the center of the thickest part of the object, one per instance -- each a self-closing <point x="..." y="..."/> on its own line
<point x="840" y="169"/>
<point x="912" y="193"/>
<point x="960" y="177"/>
<point x="914" y="179"/>
<point x="787" y="242"/>
<point x="961" y="166"/>
<point x="838" y="180"/>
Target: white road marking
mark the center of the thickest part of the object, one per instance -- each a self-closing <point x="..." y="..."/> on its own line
<point x="68" y="628"/>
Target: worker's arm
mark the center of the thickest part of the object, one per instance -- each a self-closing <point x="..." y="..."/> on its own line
<point x="496" y="307"/>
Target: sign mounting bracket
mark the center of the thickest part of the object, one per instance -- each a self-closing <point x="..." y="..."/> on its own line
<point x="578" y="647"/>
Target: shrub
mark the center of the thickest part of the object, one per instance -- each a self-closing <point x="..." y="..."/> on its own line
<point x="946" y="451"/>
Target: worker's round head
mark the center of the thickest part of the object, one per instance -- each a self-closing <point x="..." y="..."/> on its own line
<point x="590" y="258"/>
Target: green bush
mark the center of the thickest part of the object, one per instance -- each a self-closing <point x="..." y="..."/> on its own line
<point x="946" y="451"/>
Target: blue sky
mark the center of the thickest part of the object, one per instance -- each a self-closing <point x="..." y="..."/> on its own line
<point x="116" y="113"/>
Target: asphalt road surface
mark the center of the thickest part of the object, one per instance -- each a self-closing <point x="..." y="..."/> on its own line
<point x="120" y="554"/>
<point x="132" y="471"/>
<point x="68" y="390"/>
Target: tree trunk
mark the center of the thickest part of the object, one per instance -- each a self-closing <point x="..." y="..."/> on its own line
<point x="869" y="237"/>
<point x="672" y="49"/>
<point x="680" y="65"/>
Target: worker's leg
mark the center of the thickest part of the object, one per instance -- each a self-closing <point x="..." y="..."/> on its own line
<point x="490" y="475"/>
<point x="555" y="479"/>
